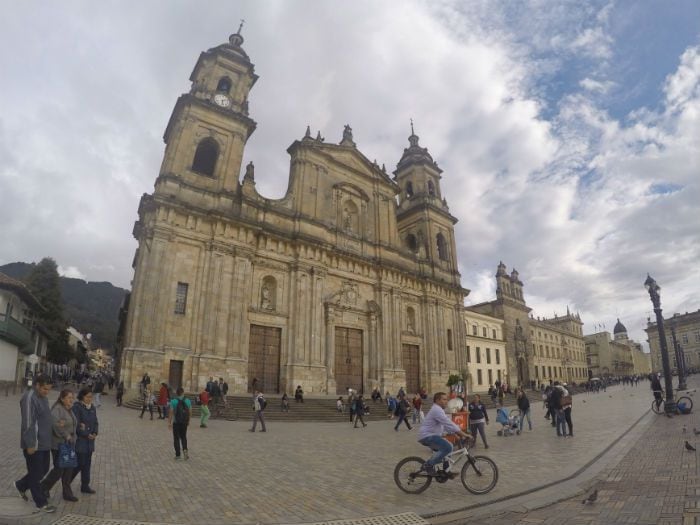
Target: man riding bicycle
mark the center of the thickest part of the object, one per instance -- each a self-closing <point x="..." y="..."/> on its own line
<point x="430" y="434"/>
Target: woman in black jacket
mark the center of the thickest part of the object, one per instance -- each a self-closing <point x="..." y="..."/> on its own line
<point x="87" y="429"/>
<point x="524" y="406"/>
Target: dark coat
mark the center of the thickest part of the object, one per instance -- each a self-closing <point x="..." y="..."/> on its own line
<point x="86" y="424"/>
<point x="523" y="403"/>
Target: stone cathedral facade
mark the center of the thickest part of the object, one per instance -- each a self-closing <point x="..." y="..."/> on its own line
<point x="349" y="280"/>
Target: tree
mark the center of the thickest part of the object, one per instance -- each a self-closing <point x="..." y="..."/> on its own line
<point x="43" y="282"/>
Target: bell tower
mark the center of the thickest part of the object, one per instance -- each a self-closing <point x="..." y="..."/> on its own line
<point x="425" y="224"/>
<point x="209" y="126"/>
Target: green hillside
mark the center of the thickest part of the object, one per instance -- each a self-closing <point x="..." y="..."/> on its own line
<point x="91" y="307"/>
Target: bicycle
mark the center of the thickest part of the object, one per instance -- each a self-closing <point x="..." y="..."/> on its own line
<point x="479" y="474"/>
<point x="659" y="406"/>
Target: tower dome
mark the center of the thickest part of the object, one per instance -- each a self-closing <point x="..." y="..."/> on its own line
<point x="619" y="328"/>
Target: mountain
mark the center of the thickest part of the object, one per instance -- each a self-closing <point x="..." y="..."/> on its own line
<point x="90" y="307"/>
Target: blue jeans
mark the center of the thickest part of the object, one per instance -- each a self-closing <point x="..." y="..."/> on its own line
<point x="561" y="423"/>
<point x="439" y="445"/>
<point x="522" y="418"/>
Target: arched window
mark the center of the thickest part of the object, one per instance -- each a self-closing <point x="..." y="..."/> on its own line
<point x="224" y="85"/>
<point x="268" y="293"/>
<point x="431" y="188"/>
<point x="412" y="242"/>
<point x="409" y="190"/>
<point x="442" y="246"/>
<point x="205" y="157"/>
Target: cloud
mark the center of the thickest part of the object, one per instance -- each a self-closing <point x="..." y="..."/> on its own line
<point x="71" y="272"/>
<point x="509" y="98"/>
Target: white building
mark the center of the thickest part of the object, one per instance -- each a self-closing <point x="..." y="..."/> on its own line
<point x="21" y="344"/>
<point x="486" y="351"/>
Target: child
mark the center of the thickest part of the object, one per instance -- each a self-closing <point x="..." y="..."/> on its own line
<point x="339" y="405"/>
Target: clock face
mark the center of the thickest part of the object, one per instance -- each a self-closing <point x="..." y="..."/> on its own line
<point x="222" y="100"/>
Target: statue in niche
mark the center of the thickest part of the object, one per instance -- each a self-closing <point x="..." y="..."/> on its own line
<point x="266" y="298"/>
<point x="347" y="219"/>
<point x="410" y="321"/>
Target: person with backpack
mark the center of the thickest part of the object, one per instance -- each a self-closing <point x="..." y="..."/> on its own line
<point x="359" y="410"/>
<point x="204" y="412"/>
<point x="259" y="405"/>
<point x="402" y="408"/>
<point x="178" y="419"/>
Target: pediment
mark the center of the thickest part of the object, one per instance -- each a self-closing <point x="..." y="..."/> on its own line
<point x="350" y="159"/>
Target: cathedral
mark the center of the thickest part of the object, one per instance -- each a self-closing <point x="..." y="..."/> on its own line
<point x="348" y="281"/>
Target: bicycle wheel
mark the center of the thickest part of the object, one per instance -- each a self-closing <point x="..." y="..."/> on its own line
<point x="657" y="409"/>
<point x="688" y="402"/>
<point x="410" y="476"/>
<point x="479" y="474"/>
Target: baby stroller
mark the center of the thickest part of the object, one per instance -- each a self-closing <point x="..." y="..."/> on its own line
<point x="510" y="422"/>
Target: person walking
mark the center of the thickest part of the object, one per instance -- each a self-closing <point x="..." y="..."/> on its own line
<point x="147" y="402"/>
<point x="478" y="418"/>
<point x="259" y="404"/>
<point x="402" y="411"/>
<point x="87" y="428"/>
<point x="360" y="411"/>
<point x="566" y="403"/>
<point x="63" y="431"/>
<point x="178" y="420"/>
<point x="417" y="413"/>
<point x="223" y="387"/>
<point x="204" y="412"/>
<point x="35" y="440"/>
<point x="97" y="390"/>
<point x="120" y="393"/>
<point x="524" y="406"/>
<point x="163" y="401"/>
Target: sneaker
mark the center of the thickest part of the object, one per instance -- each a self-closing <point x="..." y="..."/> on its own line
<point x="48" y="508"/>
<point x="70" y="498"/>
<point x="22" y="493"/>
<point x="177" y="458"/>
<point x="87" y="490"/>
<point x="186" y="454"/>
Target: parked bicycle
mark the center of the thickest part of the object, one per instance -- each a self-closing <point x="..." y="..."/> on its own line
<point x="658" y="405"/>
<point x="479" y="474"/>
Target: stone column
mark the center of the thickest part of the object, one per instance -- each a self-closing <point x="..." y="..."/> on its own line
<point x="330" y="348"/>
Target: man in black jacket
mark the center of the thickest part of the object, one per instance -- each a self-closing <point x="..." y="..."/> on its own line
<point x="36" y="433"/>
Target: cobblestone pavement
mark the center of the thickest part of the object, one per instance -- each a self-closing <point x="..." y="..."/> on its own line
<point x="656" y="482"/>
<point x="302" y="472"/>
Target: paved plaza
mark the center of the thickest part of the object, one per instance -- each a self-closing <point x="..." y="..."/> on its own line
<point x="310" y="472"/>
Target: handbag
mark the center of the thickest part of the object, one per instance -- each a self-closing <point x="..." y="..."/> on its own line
<point x="67" y="458"/>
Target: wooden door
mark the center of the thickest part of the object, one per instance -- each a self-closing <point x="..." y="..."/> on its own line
<point x="175" y="374"/>
<point x="412" y="366"/>
<point x="348" y="359"/>
<point x="264" y="359"/>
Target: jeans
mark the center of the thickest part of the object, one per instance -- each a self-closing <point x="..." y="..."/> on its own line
<point x="359" y="417"/>
<point x="64" y="474"/>
<point x="561" y="423"/>
<point x="480" y="428"/>
<point x="416" y="415"/>
<point x="204" y="415"/>
<point x="179" y="436"/>
<point x="439" y="445"/>
<point x="402" y="418"/>
<point x="522" y="418"/>
<point x="259" y="416"/>
<point x="84" y="466"/>
<point x="567" y="417"/>
<point x="37" y="466"/>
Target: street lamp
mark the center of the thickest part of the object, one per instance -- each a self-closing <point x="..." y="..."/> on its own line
<point x="680" y="358"/>
<point x="653" y="288"/>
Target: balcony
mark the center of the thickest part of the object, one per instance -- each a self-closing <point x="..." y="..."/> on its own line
<point x="16" y="333"/>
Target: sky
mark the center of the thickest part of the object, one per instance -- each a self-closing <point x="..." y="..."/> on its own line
<point x="568" y="132"/>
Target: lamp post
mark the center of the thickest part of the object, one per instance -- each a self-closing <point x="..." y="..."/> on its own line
<point x="680" y="358"/>
<point x="653" y="288"/>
